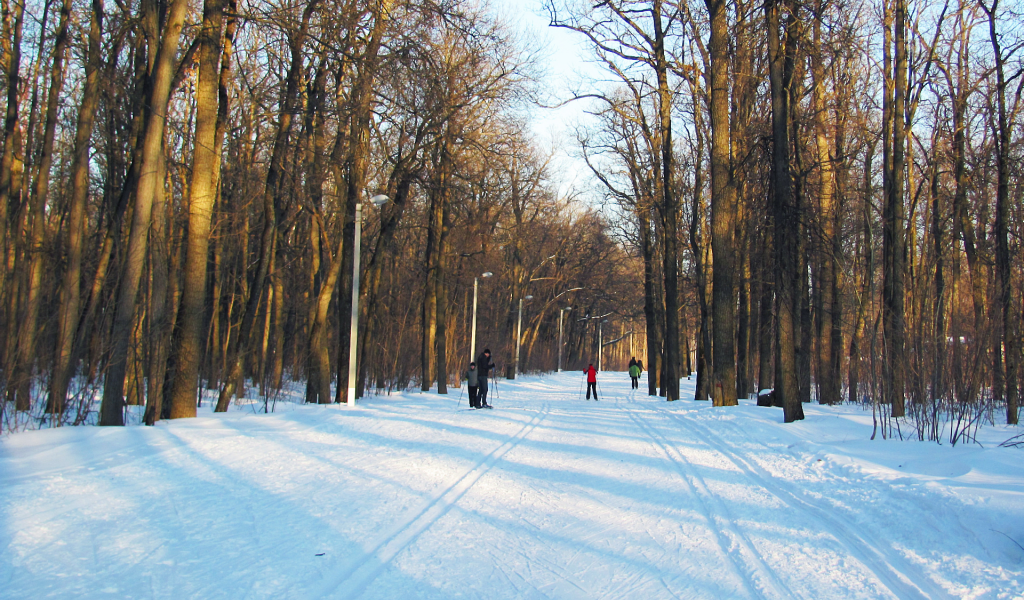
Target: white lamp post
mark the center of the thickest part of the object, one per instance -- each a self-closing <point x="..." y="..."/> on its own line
<point x="377" y="200"/>
<point x="561" y="311"/>
<point x="472" y="336"/>
<point x="519" y="333"/>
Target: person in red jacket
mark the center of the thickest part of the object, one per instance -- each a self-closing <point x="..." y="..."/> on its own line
<point x="591" y="374"/>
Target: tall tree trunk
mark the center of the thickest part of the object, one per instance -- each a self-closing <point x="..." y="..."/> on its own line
<point x="68" y="312"/>
<point x="765" y="371"/>
<point x="1005" y="343"/>
<point x="670" y="211"/>
<point x="441" y="293"/>
<point x="723" y="212"/>
<point x="834" y="368"/>
<point x="784" y="216"/>
<point x="13" y="20"/>
<point x="429" y="309"/>
<point x="894" y="233"/>
<point x="867" y="268"/>
<point x="206" y="157"/>
<point x="113" y="386"/>
<point x="938" y="337"/>
<point x="651" y="298"/>
<point x="828" y="379"/>
<point x="160" y="326"/>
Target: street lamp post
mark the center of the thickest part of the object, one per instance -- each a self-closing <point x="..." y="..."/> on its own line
<point x="519" y="334"/>
<point x="472" y="336"/>
<point x="561" y="311"/>
<point x="377" y="200"/>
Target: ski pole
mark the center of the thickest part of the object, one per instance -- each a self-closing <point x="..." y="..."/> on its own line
<point x="497" y="394"/>
<point x="462" y="389"/>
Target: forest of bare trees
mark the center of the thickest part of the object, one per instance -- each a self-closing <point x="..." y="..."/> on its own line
<point x="820" y="198"/>
<point x="847" y="183"/>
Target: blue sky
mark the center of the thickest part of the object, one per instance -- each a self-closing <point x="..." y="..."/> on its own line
<point x="564" y="61"/>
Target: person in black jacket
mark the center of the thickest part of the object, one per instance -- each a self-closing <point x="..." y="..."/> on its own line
<point x="484" y="366"/>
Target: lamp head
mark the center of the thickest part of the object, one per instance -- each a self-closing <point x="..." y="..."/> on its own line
<point x="486" y="274"/>
<point x="379" y="200"/>
<point x="528" y="298"/>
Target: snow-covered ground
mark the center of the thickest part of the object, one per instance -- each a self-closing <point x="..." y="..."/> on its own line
<point x="548" y="496"/>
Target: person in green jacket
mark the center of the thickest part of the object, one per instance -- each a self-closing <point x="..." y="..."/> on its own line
<point x="634" y="372"/>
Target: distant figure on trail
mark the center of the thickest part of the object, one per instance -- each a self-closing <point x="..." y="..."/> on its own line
<point x="473" y="382"/>
<point x="634" y="372"/>
<point x="484" y="367"/>
<point x="591" y="374"/>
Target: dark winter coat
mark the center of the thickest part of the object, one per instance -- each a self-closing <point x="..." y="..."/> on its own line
<point x="484" y="366"/>
<point x="473" y="377"/>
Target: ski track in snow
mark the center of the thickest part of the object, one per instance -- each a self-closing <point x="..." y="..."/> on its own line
<point x="358" y="574"/>
<point x="547" y="496"/>
<point x="902" y="578"/>
<point x="746" y="562"/>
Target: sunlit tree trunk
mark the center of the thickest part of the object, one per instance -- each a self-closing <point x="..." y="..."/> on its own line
<point x="13" y="20"/>
<point x="206" y="157"/>
<point x="113" y="387"/>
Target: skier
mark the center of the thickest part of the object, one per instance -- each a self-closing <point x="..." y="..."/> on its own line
<point x="634" y="372"/>
<point x="473" y="381"/>
<point x="591" y="374"/>
<point x="484" y="367"/>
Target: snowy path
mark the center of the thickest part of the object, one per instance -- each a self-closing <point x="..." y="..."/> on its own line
<point x="548" y="496"/>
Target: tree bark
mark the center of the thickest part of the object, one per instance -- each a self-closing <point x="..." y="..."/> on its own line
<point x="1005" y="344"/>
<point x="785" y="218"/>
<point x="113" y="387"/>
<point x="894" y="232"/>
<point x="723" y="213"/>
<point x="205" y="176"/>
<point x="670" y="211"/>
<point x="71" y="285"/>
<point x="13" y="20"/>
<point x="160" y="325"/>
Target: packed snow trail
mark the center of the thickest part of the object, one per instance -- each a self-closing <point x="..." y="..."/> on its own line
<point x="547" y="496"/>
